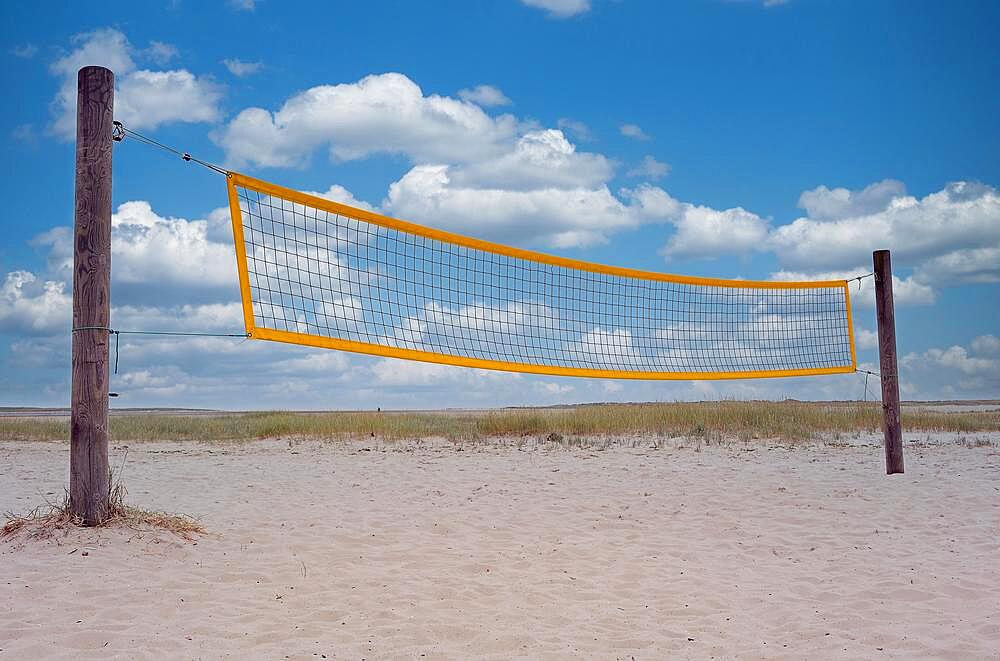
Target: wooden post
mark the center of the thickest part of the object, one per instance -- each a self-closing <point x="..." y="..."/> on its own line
<point x="89" y="471"/>
<point x="887" y="363"/>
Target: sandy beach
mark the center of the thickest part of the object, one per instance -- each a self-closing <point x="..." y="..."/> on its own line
<point x="518" y="549"/>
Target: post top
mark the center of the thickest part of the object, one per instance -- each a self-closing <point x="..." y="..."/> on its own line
<point x="95" y="70"/>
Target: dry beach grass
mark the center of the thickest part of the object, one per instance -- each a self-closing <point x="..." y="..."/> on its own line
<point x="788" y="420"/>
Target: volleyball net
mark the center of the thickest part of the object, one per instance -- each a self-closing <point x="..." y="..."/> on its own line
<point x="318" y="273"/>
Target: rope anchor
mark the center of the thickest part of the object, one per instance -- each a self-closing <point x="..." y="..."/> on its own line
<point x="862" y="277"/>
<point x="120" y="131"/>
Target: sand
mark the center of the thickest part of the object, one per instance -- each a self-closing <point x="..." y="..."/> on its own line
<point x="431" y="550"/>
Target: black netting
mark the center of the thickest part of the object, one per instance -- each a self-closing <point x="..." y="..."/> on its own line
<point x="334" y="276"/>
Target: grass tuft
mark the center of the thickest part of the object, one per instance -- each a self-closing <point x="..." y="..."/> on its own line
<point x="46" y="521"/>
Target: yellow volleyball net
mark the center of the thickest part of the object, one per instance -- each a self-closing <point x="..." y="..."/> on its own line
<point x="319" y="273"/>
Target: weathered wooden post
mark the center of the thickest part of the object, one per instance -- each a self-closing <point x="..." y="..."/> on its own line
<point x="89" y="471"/>
<point x="887" y="362"/>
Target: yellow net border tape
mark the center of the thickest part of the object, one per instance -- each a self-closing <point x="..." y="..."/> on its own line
<point x="236" y="180"/>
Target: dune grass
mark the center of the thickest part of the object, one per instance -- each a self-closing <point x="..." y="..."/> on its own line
<point x="742" y="419"/>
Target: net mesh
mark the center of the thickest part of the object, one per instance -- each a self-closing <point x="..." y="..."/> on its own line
<point x="318" y="273"/>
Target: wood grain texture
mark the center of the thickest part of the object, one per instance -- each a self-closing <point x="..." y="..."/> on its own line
<point x="887" y="362"/>
<point x="90" y="473"/>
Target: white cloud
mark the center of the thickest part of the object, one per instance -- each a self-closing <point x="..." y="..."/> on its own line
<point x="489" y="176"/>
<point x="316" y="362"/>
<point x="560" y="8"/>
<point x="955" y="231"/>
<point x="32" y="306"/>
<point x="703" y="232"/>
<point x="25" y="52"/>
<point x="956" y="371"/>
<point x="148" y="248"/>
<point x="153" y="315"/>
<point x="540" y="159"/>
<point x="243" y="5"/>
<point x="633" y="131"/>
<point x="392" y="372"/>
<point x="973" y="265"/>
<point x="385" y="113"/>
<point x="823" y="203"/>
<point x="241" y="69"/>
<point x="161" y="52"/>
<point x="987" y="345"/>
<point x="653" y="202"/>
<point x="553" y="388"/>
<point x="905" y="291"/>
<point x="865" y="339"/>
<point x="148" y="99"/>
<point x="958" y="358"/>
<point x="553" y="216"/>
<point x="650" y="168"/>
<point x="948" y="237"/>
<point x="486" y="96"/>
<point x="337" y="193"/>
<point x="105" y="47"/>
<point x="144" y="98"/>
<point x="608" y="349"/>
<point x="576" y="129"/>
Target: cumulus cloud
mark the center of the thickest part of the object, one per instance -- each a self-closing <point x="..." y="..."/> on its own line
<point x="957" y="371"/>
<point x="220" y="317"/>
<point x="484" y="95"/>
<point x="539" y="159"/>
<point x="558" y="217"/>
<point x="560" y="8"/>
<point x="823" y="203"/>
<point x="988" y="345"/>
<point x="143" y="98"/>
<point x="147" y="99"/>
<point x="241" y="69"/>
<point x="32" y="306"/>
<point x="948" y="237"/>
<point x="971" y="265"/>
<point x="148" y="248"/>
<point x="705" y="233"/>
<point x="650" y="168"/>
<point x="955" y="231"/>
<point x="865" y="339"/>
<point x="494" y="177"/>
<point x="633" y="131"/>
<point x="153" y="256"/>
<point x="386" y="113"/>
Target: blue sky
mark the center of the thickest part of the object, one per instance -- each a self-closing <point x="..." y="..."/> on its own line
<point x="794" y="137"/>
